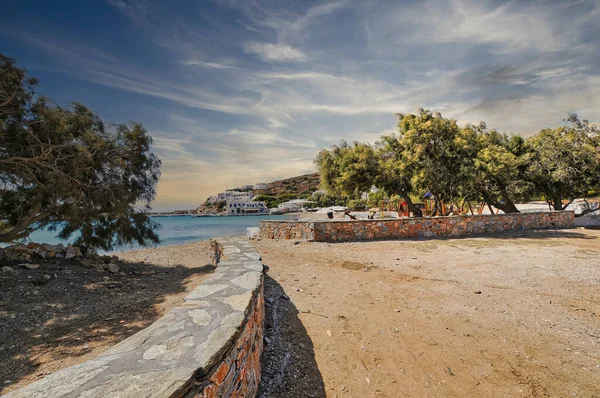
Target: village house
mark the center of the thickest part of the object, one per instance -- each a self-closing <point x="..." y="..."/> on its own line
<point x="245" y="206"/>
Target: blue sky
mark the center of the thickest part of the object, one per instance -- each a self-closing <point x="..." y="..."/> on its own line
<point x="238" y="92"/>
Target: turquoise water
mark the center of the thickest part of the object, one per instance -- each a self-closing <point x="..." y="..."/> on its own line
<point x="178" y="230"/>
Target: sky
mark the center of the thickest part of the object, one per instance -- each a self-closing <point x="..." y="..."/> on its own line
<point x="245" y="91"/>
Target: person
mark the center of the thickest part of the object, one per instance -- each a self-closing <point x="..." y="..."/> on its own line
<point x="216" y="251"/>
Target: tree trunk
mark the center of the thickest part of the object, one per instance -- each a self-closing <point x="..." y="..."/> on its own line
<point x="415" y="210"/>
<point x="557" y="202"/>
<point x="508" y="207"/>
<point x="22" y="230"/>
<point x="588" y="210"/>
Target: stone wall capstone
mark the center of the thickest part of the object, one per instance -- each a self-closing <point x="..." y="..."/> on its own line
<point x="210" y="346"/>
<point x="426" y="227"/>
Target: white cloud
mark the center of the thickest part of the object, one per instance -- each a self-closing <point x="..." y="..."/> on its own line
<point x="275" y="52"/>
<point x="215" y="65"/>
<point x="517" y="65"/>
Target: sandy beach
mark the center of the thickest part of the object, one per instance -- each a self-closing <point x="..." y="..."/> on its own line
<point x="515" y="315"/>
<point x="510" y="315"/>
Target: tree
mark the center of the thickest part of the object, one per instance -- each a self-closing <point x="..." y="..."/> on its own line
<point x="492" y="166"/>
<point x="347" y="170"/>
<point x="395" y="174"/>
<point x="565" y="161"/>
<point x="65" y="170"/>
<point x="427" y="142"/>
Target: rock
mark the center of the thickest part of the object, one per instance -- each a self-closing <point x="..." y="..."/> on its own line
<point x="23" y="249"/>
<point x="1" y="253"/>
<point x="59" y="255"/>
<point x="9" y="252"/>
<point x="114" y="259"/>
<point x="8" y="269"/>
<point x="30" y="266"/>
<point x="50" y="254"/>
<point x="71" y="252"/>
<point x="114" y="268"/>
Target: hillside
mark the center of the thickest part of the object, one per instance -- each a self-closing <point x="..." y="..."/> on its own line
<point x="277" y="192"/>
<point x="299" y="185"/>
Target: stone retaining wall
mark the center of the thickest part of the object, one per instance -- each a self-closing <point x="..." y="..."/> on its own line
<point x="427" y="227"/>
<point x="210" y="346"/>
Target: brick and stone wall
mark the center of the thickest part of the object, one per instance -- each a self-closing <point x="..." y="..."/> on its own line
<point x="238" y="374"/>
<point x="210" y="346"/>
<point x="427" y="227"/>
<point x="288" y="230"/>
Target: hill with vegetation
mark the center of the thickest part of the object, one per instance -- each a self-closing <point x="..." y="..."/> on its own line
<point x="299" y="187"/>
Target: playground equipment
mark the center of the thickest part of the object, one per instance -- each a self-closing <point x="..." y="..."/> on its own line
<point x="429" y="207"/>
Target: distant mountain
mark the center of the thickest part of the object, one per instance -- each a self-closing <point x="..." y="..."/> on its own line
<point x="301" y="185"/>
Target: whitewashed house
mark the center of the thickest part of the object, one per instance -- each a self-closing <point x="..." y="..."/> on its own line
<point x="244" y="206"/>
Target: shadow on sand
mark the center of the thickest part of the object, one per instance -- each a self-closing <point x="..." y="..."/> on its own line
<point x="508" y="235"/>
<point x="289" y="368"/>
<point x="63" y="310"/>
<point x="528" y="234"/>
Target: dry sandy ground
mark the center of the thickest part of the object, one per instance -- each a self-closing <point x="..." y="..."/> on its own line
<point x="506" y="316"/>
<point x="66" y="312"/>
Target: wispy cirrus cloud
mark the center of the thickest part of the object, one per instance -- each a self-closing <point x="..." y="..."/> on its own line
<point x="307" y="74"/>
<point x="275" y="52"/>
<point x="204" y="64"/>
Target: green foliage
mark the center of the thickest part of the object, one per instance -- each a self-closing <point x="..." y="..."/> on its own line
<point x="348" y="170"/>
<point x="357" y="204"/>
<point x="326" y="200"/>
<point x="431" y="153"/>
<point x="220" y="205"/>
<point x="63" y="169"/>
<point x="564" y="163"/>
<point x="375" y="198"/>
<point x="492" y="166"/>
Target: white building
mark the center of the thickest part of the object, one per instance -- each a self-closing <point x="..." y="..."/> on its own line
<point x="244" y="206"/>
<point x="230" y="194"/>
<point x="293" y="205"/>
<point x="261" y="185"/>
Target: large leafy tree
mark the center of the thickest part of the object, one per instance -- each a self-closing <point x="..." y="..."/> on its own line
<point x="428" y="145"/>
<point x="395" y="175"/>
<point x="351" y="169"/>
<point x="492" y="166"/>
<point x="66" y="170"/>
<point x="565" y="162"/>
<point x="347" y="169"/>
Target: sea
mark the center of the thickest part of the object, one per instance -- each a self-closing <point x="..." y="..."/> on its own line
<point x="177" y="230"/>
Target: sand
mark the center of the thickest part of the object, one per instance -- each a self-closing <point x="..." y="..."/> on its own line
<point x="66" y="312"/>
<point x="515" y="315"/>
